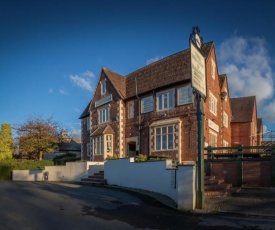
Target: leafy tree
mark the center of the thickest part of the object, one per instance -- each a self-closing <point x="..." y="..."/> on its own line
<point x="5" y="142"/>
<point x="38" y="136"/>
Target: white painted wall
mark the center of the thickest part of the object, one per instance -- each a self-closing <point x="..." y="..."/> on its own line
<point x="156" y="176"/>
<point x="72" y="171"/>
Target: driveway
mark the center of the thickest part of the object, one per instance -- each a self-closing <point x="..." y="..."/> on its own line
<point x="39" y="205"/>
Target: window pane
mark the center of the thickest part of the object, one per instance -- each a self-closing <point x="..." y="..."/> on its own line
<point x="164" y="142"/>
<point x="170" y="141"/>
<point x="160" y="102"/>
<point x="165" y="100"/>
<point x="158" y="142"/>
<point x="171" y="99"/>
<point x="170" y="129"/>
<point x="164" y="130"/>
<point x="157" y="131"/>
<point x="107" y="114"/>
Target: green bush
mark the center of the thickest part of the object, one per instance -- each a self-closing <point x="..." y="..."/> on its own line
<point x="141" y="158"/>
<point x="113" y="157"/>
<point x="5" y="172"/>
<point x="62" y="159"/>
<point x="6" y="166"/>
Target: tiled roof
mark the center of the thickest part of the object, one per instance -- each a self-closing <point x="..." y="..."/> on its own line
<point x="242" y="108"/>
<point x="167" y="71"/>
<point x="86" y="112"/>
<point x="103" y="130"/>
<point x="117" y="80"/>
<point x="259" y="124"/>
<point x="221" y="79"/>
<point x="172" y="69"/>
<point x="73" y="144"/>
<point x="206" y="48"/>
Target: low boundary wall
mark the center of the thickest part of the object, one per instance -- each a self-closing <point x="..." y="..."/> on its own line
<point x="72" y="171"/>
<point x="156" y="176"/>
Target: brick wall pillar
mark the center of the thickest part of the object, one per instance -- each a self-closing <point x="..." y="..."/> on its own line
<point x="208" y="166"/>
<point x="273" y="166"/>
<point x="240" y="165"/>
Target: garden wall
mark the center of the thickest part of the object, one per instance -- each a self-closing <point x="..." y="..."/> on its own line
<point x="72" y="171"/>
<point x="155" y="176"/>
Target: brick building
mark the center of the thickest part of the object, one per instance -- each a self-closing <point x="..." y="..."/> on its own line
<point x="245" y="126"/>
<point x="152" y="111"/>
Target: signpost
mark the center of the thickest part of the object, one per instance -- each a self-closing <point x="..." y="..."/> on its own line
<point x="198" y="76"/>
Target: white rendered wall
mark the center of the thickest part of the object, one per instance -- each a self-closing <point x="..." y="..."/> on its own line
<point x="72" y="171"/>
<point x="156" y="176"/>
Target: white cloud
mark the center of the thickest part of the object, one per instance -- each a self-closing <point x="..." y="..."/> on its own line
<point x="88" y="73"/>
<point x="154" y="59"/>
<point x="74" y="129"/>
<point x="77" y="110"/>
<point x="84" y="80"/>
<point x="264" y="129"/>
<point x="76" y="133"/>
<point x="63" y="92"/>
<point x="247" y="65"/>
<point x="269" y="111"/>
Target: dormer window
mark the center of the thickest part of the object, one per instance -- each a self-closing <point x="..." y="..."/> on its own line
<point x="166" y="100"/>
<point x="103" y="87"/>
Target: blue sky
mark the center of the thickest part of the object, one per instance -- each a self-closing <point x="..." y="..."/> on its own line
<point x="52" y="52"/>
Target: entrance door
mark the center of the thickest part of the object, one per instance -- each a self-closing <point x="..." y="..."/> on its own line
<point x="131" y="149"/>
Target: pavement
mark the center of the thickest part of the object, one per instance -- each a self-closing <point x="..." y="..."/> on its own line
<point x="258" y="202"/>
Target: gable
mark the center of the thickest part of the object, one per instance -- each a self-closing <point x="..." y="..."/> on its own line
<point x="115" y="88"/>
<point x="243" y="108"/>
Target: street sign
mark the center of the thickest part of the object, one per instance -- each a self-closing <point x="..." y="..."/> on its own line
<point x="198" y="75"/>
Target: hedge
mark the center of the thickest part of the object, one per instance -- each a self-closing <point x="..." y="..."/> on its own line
<point x="6" y="166"/>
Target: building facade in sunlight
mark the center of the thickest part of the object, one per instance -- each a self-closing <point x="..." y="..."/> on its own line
<point x="152" y="111"/>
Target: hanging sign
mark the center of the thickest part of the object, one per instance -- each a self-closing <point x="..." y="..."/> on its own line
<point x="198" y="70"/>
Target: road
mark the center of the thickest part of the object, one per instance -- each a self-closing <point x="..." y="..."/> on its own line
<point x="40" y="205"/>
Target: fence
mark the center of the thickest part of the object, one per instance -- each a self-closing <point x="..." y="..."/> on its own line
<point x="252" y="166"/>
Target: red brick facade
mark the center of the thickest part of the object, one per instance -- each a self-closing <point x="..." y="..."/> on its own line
<point x="152" y="111"/>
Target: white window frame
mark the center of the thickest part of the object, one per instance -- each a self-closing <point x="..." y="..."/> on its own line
<point x="226" y="95"/>
<point x="165" y="100"/>
<point x="213" y="136"/>
<point x="213" y="104"/>
<point x="225" y="119"/>
<point x="131" y="109"/>
<point x="103" y="115"/>
<point x="224" y="143"/>
<point x="98" y="145"/>
<point x="108" y="139"/>
<point x="103" y="86"/>
<point x="102" y="144"/>
<point x="162" y="135"/>
<point x="213" y="68"/>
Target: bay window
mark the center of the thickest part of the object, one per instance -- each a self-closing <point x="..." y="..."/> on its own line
<point x="164" y="138"/>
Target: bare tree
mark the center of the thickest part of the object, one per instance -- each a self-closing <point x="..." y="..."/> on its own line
<point x="38" y="136"/>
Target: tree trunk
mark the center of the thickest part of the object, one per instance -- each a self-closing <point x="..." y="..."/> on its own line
<point x="40" y="155"/>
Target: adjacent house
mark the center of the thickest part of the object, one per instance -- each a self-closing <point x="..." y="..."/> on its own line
<point x="246" y="128"/>
<point x="152" y="111"/>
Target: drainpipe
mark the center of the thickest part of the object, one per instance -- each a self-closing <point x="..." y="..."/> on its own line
<point x="139" y="105"/>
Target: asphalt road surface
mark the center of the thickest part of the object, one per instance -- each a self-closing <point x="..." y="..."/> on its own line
<point x="40" y="205"/>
